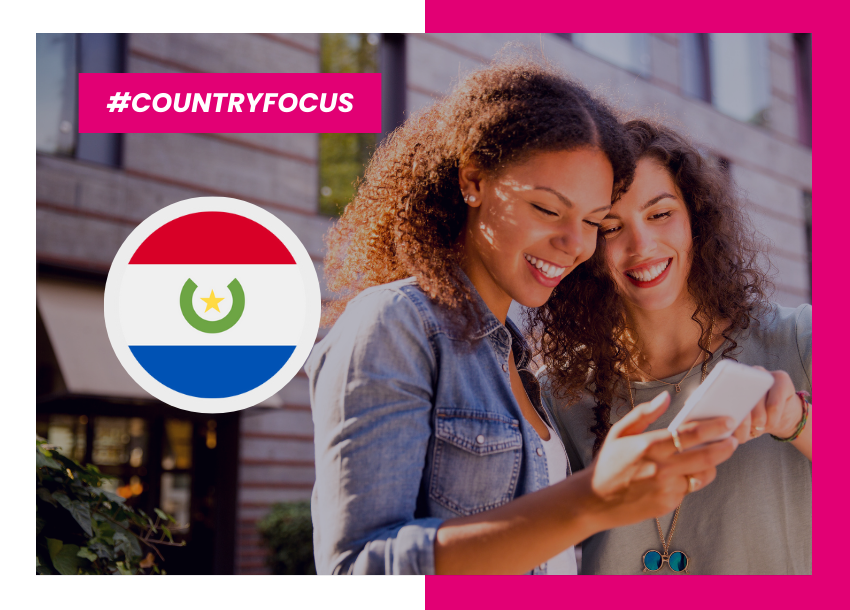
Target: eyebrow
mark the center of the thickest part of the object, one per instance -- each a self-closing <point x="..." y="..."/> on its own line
<point x="650" y="203"/>
<point x="566" y="201"/>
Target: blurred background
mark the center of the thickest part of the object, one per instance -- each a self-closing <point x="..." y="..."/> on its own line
<point x="745" y="98"/>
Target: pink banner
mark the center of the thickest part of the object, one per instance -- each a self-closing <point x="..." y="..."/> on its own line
<point x="230" y="103"/>
<point x="667" y="16"/>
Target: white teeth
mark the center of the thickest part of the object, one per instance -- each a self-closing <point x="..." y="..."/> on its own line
<point x="647" y="274"/>
<point x="545" y="268"/>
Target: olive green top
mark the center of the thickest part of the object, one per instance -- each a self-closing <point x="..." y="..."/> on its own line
<point x="756" y="517"/>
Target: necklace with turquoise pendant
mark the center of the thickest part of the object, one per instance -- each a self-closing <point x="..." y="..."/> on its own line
<point x="677" y="560"/>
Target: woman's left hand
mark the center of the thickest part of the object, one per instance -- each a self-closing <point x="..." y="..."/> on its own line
<point x="778" y="412"/>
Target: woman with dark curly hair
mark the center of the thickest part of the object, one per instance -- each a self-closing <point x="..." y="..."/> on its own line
<point x="433" y="451"/>
<point x="680" y="290"/>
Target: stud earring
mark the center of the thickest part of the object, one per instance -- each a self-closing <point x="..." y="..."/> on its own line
<point x="471" y="199"/>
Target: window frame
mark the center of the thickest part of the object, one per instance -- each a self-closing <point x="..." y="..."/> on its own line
<point x="101" y="52"/>
<point x="803" y="74"/>
<point x="642" y="68"/>
<point x="702" y="65"/>
<point x="763" y="71"/>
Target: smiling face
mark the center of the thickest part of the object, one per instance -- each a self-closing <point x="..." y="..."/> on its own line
<point x="649" y="241"/>
<point x="529" y="226"/>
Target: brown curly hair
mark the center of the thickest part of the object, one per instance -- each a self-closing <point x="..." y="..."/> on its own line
<point x="408" y="214"/>
<point x="727" y="281"/>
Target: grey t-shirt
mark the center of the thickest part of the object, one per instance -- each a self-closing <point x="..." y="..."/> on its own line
<point x="756" y="517"/>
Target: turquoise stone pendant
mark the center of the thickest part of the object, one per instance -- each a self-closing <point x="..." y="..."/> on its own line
<point x="652" y="561"/>
<point x="679" y="562"/>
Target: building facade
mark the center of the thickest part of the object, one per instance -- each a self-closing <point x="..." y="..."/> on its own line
<point x="746" y="99"/>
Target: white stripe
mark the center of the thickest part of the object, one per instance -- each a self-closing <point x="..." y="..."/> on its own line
<point x="150" y="304"/>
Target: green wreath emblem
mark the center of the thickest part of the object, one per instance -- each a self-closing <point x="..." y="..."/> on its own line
<point x="212" y="326"/>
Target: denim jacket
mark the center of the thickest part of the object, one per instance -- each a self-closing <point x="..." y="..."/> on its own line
<point x="415" y="423"/>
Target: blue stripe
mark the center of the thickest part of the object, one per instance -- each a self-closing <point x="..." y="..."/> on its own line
<point x="216" y="371"/>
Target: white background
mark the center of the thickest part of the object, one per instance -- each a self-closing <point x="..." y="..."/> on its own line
<point x="150" y="304"/>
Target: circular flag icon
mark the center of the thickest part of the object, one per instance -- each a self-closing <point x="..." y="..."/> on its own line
<point x="212" y="304"/>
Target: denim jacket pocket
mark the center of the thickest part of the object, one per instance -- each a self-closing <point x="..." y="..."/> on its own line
<point x="477" y="458"/>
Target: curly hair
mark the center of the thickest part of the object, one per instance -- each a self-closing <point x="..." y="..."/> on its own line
<point x="408" y="214"/>
<point x="727" y="281"/>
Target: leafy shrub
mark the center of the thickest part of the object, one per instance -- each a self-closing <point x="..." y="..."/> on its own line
<point x="288" y="532"/>
<point x="82" y="528"/>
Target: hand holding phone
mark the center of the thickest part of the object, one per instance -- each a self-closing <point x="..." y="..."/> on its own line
<point x="731" y="390"/>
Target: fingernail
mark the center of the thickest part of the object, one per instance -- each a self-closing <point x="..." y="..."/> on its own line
<point x="656" y="402"/>
<point x="729" y="423"/>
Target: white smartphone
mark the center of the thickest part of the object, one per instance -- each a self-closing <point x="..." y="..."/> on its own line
<point x="731" y="390"/>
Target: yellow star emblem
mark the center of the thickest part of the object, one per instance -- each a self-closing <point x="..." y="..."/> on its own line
<point x="212" y="302"/>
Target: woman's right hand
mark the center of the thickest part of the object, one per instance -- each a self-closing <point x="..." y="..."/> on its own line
<point x="640" y="475"/>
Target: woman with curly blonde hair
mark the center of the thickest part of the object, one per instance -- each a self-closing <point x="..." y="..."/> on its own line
<point x="681" y="288"/>
<point x="434" y="453"/>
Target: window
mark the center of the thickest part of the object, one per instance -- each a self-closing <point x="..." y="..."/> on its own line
<point x="176" y="487"/>
<point x="343" y="156"/>
<point x="56" y="93"/>
<point x="740" y="76"/>
<point x="629" y="51"/>
<point x="158" y="456"/>
<point x="67" y="433"/>
<point x="393" y="81"/>
<point x="803" y="65"/>
<point x="118" y="446"/>
<point x="695" y="66"/>
<point x="59" y="59"/>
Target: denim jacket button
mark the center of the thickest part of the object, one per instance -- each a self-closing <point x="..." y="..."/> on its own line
<point x="540" y="451"/>
<point x="505" y="367"/>
<point x="480" y="439"/>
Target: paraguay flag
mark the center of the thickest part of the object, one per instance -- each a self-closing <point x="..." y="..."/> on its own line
<point x="211" y="306"/>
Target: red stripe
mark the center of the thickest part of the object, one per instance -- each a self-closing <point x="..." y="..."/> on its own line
<point x="212" y="238"/>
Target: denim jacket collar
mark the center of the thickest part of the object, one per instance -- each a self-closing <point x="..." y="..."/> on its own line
<point x="479" y="321"/>
<point x="484" y="323"/>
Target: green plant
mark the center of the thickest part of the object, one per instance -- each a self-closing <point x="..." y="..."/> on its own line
<point x="288" y="532"/>
<point x="81" y="528"/>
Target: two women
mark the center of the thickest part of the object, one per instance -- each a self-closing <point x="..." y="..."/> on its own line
<point x="434" y="453"/>
<point x="681" y="290"/>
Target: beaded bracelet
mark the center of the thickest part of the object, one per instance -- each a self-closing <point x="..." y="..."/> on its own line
<point x="802" y="425"/>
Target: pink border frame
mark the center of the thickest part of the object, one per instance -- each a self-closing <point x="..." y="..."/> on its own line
<point x="779" y="16"/>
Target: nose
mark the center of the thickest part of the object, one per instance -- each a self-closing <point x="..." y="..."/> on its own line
<point x="570" y="240"/>
<point x="640" y="240"/>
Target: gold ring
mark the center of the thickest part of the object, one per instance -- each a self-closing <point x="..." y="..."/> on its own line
<point x="676" y="442"/>
<point x="693" y="483"/>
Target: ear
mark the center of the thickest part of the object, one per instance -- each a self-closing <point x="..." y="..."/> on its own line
<point x="469" y="178"/>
